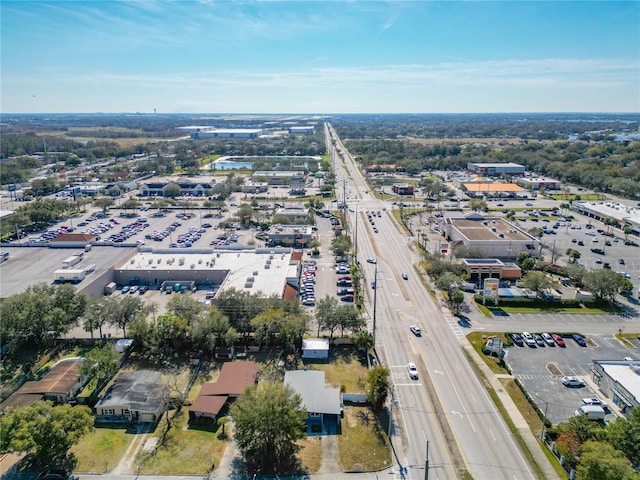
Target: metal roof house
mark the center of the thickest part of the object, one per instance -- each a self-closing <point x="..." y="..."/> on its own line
<point x="60" y="385"/>
<point x="234" y="378"/>
<point x="134" y="397"/>
<point x="323" y="404"/>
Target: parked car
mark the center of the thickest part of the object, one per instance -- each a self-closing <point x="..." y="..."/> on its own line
<point x="571" y="381"/>
<point x="539" y="340"/>
<point x="413" y="371"/>
<point x="548" y="339"/>
<point x="579" y="340"/>
<point x="517" y="339"/>
<point x="125" y="289"/>
<point x="558" y="339"/>
<point x="347" y="298"/>
<point x="528" y="339"/>
<point x="415" y="330"/>
<point x="143" y="289"/>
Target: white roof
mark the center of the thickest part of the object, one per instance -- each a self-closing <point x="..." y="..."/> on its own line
<point x="315" y="344"/>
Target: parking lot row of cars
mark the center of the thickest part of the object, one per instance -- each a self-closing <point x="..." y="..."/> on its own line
<point x="308" y="284"/>
<point x="543" y="339"/>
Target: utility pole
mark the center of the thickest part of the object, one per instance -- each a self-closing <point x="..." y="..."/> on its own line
<point x="426" y="464"/>
<point x="356" y="229"/>
<point x="375" y="297"/>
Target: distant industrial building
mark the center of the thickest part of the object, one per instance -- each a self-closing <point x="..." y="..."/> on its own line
<point x="496" y="169"/>
<point x="535" y="183"/>
<point x="495" y="237"/>
<point x="227" y="133"/>
<point x="277" y="177"/>
<point x="619" y="380"/>
<point x="623" y="214"/>
<point x="302" y="130"/>
<point x="157" y="189"/>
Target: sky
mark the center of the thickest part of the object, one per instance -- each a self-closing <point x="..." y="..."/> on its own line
<point x="227" y="56"/>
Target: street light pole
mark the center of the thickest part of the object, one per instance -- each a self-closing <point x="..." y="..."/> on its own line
<point x="375" y="297"/>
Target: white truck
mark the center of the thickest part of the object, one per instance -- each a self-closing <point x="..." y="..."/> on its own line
<point x="69" y="275"/>
<point x="70" y="261"/>
<point x="592" y="412"/>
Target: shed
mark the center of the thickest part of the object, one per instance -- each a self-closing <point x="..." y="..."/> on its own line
<point x="315" y="348"/>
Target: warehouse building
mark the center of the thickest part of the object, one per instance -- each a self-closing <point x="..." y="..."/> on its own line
<point x="302" y="130"/>
<point x="265" y="270"/>
<point x="227" y="133"/>
<point x="157" y="189"/>
<point x="535" y="183"/>
<point x="623" y="214"/>
<point x="480" y="188"/>
<point x="495" y="237"/>
<point x="496" y="169"/>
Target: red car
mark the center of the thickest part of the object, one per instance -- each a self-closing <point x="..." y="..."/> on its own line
<point x="558" y="339"/>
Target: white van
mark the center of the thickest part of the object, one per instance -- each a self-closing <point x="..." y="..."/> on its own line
<point x="592" y="412"/>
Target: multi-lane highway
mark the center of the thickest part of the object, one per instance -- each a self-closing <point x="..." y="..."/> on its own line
<point x="447" y="406"/>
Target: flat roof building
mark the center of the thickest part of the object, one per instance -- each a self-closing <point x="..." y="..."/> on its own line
<point x="536" y="183"/>
<point x="227" y="133"/>
<point x="496" y="169"/>
<point x="495" y="237"/>
<point x="619" y="380"/>
<point x="290" y="235"/>
<point x="623" y="214"/>
<point x="265" y="270"/>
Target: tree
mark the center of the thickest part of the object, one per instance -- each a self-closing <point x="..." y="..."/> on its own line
<point x="456" y="298"/>
<point x="378" y="386"/>
<point x="573" y="254"/>
<point x="627" y="231"/>
<point x="103" y="202"/>
<point x="341" y="245"/>
<point x="568" y="446"/>
<point x="449" y="281"/>
<point x="171" y="190"/>
<point x="44" y="432"/>
<point x="604" y="284"/>
<point x="464" y="251"/>
<point x="100" y="363"/>
<point x="269" y="419"/>
<point x="624" y="435"/>
<point x="601" y="461"/>
<point x="326" y="317"/>
<point x="364" y="341"/>
<point x="185" y="306"/>
<point x="477" y="204"/>
<point x="537" y="282"/>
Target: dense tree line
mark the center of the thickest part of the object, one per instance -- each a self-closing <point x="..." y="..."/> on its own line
<point x="609" y="167"/>
<point x="526" y="126"/>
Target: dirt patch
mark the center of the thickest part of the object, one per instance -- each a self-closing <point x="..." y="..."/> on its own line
<point x="553" y="369"/>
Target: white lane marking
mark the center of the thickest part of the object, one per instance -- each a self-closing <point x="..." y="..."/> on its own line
<point x="493" y="436"/>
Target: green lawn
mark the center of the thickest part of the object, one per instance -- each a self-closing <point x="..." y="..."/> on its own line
<point x="186" y="451"/>
<point x="346" y="369"/>
<point x="550" y="309"/>
<point x="363" y="445"/>
<point x="101" y="450"/>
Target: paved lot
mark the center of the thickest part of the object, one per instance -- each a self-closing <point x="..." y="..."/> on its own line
<point x="534" y="367"/>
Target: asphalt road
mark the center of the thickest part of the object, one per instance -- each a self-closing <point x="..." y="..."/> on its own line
<point x="460" y="402"/>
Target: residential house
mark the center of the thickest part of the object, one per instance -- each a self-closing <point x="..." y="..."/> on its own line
<point x="134" y="397"/>
<point x="234" y="378"/>
<point x="323" y="404"/>
<point x="61" y="385"/>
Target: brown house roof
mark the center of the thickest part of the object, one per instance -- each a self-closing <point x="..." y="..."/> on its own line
<point x="234" y="378"/>
<point x="290" y="293"/>
<point x="296" y="255"/>
<point x="59" y="381"/>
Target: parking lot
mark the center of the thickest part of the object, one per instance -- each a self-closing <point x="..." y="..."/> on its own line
<point x="540" y="370"/>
